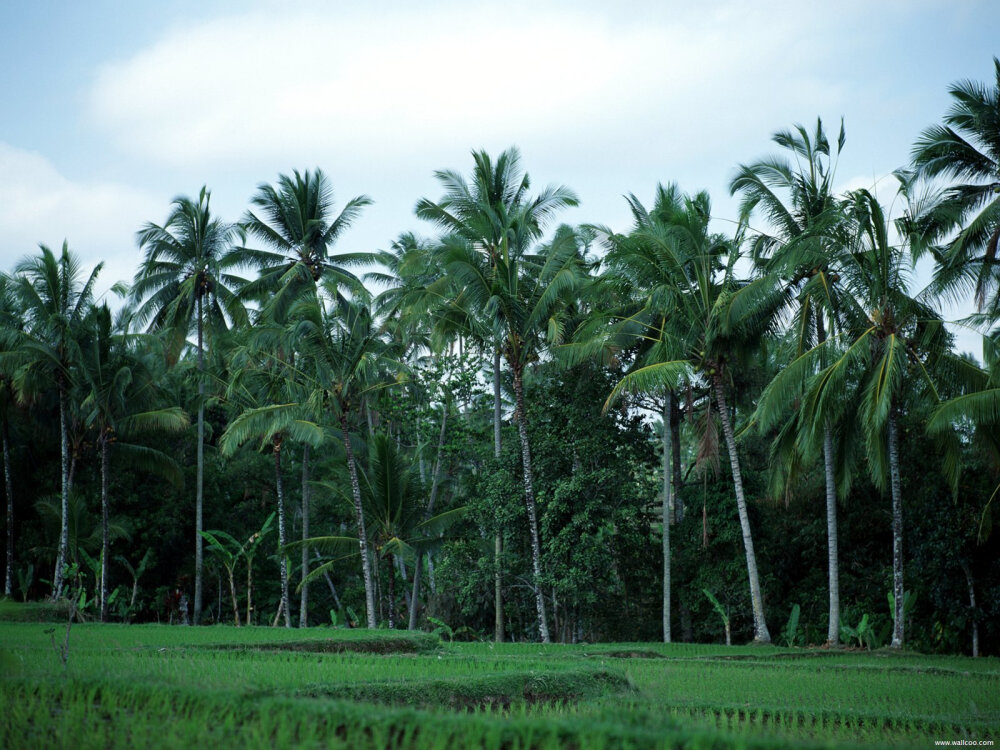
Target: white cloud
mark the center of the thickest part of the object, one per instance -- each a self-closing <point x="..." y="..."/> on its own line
<point x="299" y="84"/>
<point x="98" y="219"/>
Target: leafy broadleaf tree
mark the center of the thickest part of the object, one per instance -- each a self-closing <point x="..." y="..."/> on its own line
<point x="186" y="282"/>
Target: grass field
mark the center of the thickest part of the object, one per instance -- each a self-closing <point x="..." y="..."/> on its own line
<point x="158" y="686"/>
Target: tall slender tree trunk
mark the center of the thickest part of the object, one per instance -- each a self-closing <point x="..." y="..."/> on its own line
<point x="57" y="578"/>
<point x="282" y="536"/>
<point x="8" y="581"/>
<point x="435" y="483"/>
<point x="833" y="572"/>
<point x="897" y="533"/>
<point x="675" y="445"/>
<point x="306" y="496"/>
<point x="498" y="539"/>
<point x="761" y="634"/>
<point x="529" y="499"/>
<point x="359" y="515"/>
<point x="667" y="515"/>
<point x="105" y="525"/>
<point x="392" y="593"/>
<point x="972" y="609"/>
<point x="200" y="473"/>
<point x="833" y="566"/>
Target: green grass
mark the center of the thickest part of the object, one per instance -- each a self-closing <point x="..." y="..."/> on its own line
<point x="160" y="686"/>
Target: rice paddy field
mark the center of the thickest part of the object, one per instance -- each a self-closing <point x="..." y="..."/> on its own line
<point x="138" y="686"/>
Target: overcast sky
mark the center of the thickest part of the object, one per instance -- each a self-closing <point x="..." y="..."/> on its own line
<point x="109" y="110"/>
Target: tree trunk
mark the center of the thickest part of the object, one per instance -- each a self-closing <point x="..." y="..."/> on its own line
<point x="200" y="471"/>
<point x="498" y="539"/>
<point x="232" y="593"/>
<point x="435" y="483"/>
<point x="359" y="516"/>
<point x="392" y="593"/>
<point x="8" y="582"/>
<point x="897" y="534"/>
<point x="306" y="496"/>
<point x="529" y="499"/>
<point x="761" y="634"/>
<point x="282" y="537"/>
<point x="833" y="629"/>
<point x="667" y="519"/>
<point x="57" y="578"/>
<point x="972" y="609"/>
<point x="675" y="443"/>
<point x="105" y="535"/>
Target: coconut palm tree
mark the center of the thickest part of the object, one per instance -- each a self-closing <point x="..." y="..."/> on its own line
<point x="10" y="329"/>
<point x="186" y="282"/>
<point x="700" y="320"/>
<point x="966" y="149"/>
<point x="274" y="401"/>
<point x="54" y="299"/>
<point x="495" y="215"/>
<point x="120" y="387"/>
<point x="296" y="222"/>
<point x="344" y="358"/>
<point x="398" y="524"/>
<point x="800" y="245"/>
<point x="884" y="353"/>
<point x="526" y="298"/>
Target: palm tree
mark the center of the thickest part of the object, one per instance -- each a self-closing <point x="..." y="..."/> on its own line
<point x="966" y="148"/>
<point x="120" y="386"/>
<point x="496" y="217"/>
<point x="526" y="299"/>
<point x="700" y="320"/>
<point x="799" y="246"/>
<point x="10" y="329"/>
<point x="883" y="353"/>
<point x="295" y="221"/>
<point x="398" y="523"/>
<point x="185" y="281"/>
<point x="54" y="303"/>
<point x="343" y="360"/>
<point x="275" y="412"/>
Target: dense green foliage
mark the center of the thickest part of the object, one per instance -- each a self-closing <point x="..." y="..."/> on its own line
<point x="473" y="444"/>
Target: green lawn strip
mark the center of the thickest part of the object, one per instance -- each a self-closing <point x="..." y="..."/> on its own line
<point x="57" y="714"/>
<point x="11" y="611"/>
<point x="496" y="691"/>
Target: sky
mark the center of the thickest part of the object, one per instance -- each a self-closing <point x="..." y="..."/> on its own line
<point x="110" y="110"/>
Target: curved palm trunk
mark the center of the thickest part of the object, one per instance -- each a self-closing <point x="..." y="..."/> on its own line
<point x="306" y="495"/>
<point x="200" y="473"/>
<point x="667" y="503"/>
<point x="897" y="534"/>
<point x="57" y="578"/>
<point x="282" y="537"/>
<point x="498" y="540"/>
<point x="8" y="584"/>
<point x="359" y="515"/>
<point x="529" y="499"/>
<point x="105" y="524"/>
<point x="435" y="482"/>
<point x="833" y="629"/>
<point x="761" y="634"/>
